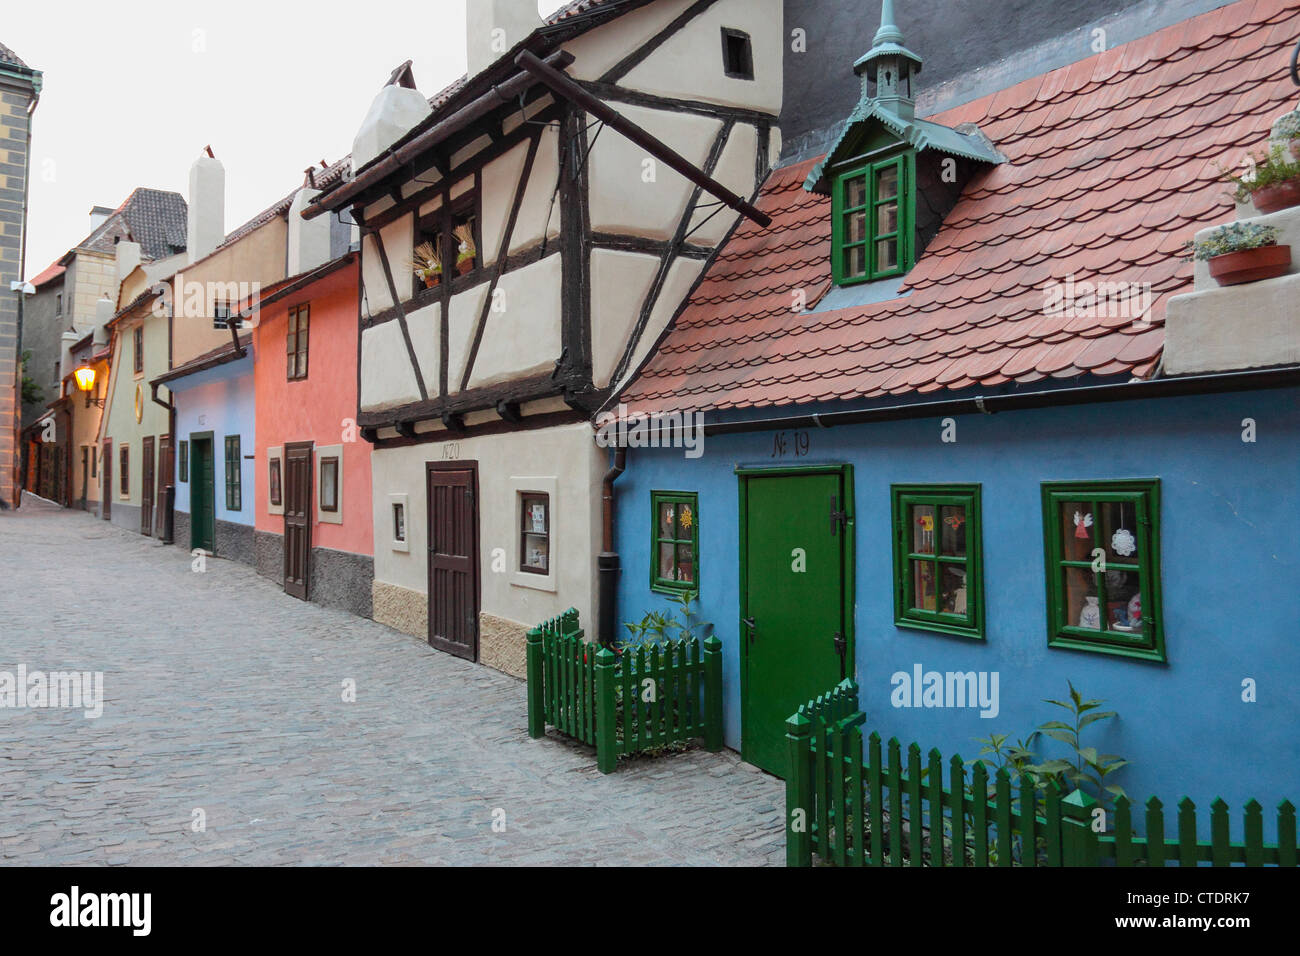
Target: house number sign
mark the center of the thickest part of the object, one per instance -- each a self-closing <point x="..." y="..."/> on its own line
<point x="792" y="444"/>
<point x="451" y="450"/>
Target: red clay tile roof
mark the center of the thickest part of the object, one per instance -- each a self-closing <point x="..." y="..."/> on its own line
<point x="1112" y="167"/>
<point x="48" y="274"/>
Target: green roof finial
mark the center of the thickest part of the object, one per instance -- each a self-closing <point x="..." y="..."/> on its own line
<point x="889" y="65"/>
<point x="888" y="32"/>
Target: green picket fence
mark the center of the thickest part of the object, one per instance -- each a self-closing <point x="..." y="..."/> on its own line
<point x="854" y="808"/>
<point x="625" y="703"/>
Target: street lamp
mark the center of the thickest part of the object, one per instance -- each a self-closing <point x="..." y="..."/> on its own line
<point x="85" y="376"/>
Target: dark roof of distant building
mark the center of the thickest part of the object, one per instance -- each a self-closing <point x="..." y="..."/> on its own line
<point x="154" y="218"/>
<point x="9" y="56"/>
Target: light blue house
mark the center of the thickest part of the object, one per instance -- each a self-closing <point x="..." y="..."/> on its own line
<point x="976" y="431"/>
<point x="214" y="399"/>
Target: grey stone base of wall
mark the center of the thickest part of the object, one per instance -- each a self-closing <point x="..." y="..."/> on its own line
<point x="270" y="555"/>
<point x="342" y="580"/>
<point x="401" y="608"/>
<point x="235" y="542"/>
<point x="502" y="644"/>
<point x="339" y="579"/>
<point x="181" y="529"/>
<point x="126" y="516"/>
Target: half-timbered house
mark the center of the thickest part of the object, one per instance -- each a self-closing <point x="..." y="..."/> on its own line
<point x="526" y="236"/>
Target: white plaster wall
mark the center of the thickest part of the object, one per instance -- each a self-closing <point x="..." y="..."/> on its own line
<point x="595" y="52"/>
<point x="621" y="200"/>
<point x="425" y="327"/>
<point x="463" y="316"/>
<point x="735" y="170"/>
<point x="568" y="455"/>
<point x="501" y="178"/>
<point x="525" y="338"/>
<point x="619" y="284"/>
<point x="398" y="238"/>
<point x="386" y="376"/>
<point x="689" y="65"/>
<point x="681" y="277"/>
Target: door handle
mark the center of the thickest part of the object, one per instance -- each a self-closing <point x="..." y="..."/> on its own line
<point x="753" y="628"/>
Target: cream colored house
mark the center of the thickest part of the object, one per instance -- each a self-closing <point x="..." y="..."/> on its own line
<point x="596" y="160"/>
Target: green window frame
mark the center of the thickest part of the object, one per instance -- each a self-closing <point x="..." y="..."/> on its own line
<point x="184" y="471"/>
<point x="674" y="541"/>
<point x="937" y="546"/>
<point x="1085" y="552"/>
<point x="862" y="231"/>
<point x="234" y="462"/>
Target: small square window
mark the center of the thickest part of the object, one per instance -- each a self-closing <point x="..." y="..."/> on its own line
<point x="274" y="477"/>
<point x="329" y="484"/>
<point x="737" y="54"/>
<point x="938" y="566"/>
<point x="221" y="314"/>
<point x="535" y="531"/>
<point x="675" y="534"/>
<point x="1102" y="540"/>
<point x="399" y="521"/>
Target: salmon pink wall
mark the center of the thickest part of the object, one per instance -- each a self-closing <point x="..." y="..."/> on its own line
<point x="316" y="408"/>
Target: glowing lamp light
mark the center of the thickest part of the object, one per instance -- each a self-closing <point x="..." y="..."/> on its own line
<point x="85" y="376"/>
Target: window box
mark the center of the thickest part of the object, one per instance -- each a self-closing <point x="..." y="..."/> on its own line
<point x="1102" y="542"/>
<point x="938" y="559"/>
<point x="674" y="541"/>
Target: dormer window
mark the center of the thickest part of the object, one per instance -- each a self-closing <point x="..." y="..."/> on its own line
<point x="872" y="208"/>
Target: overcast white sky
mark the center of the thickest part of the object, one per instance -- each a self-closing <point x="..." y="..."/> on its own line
<point x="135" y="89"/>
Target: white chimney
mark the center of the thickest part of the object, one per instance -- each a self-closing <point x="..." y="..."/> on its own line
<point x="493" y="27"/>
<point x="66" y="341"/>
<point x="309" y="239"/>
<point x="392" y="114"/>
<point x="104" y="308"/>
<point x="98" y="214"/>
<point x="128" y="257"/>
<point x="206" y="216"/>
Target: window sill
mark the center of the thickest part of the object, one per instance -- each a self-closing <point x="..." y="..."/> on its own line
<point x="1096" y="646"/>
<point x="939" y="627"/>
<point x="661" y="588"/>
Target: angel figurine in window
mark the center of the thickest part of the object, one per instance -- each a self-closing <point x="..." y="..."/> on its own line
<point x="1081" y="525"/>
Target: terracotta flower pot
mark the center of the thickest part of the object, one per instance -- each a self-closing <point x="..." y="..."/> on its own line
<point x="431" y="281"/>
<point x="464" y="266"/>
<point x="1250" y="265"/>
<point x="1278" y="196"/>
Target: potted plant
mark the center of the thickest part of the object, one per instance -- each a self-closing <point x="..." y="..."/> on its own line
<point x="427" y="264"/>
<point x="1273" y="184"/>
<point x="465" y="251"/>
<point x="1242" y="252"/>
<point x="1287" y="132"/>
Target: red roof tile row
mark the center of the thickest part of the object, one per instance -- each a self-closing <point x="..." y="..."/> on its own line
<point x="1114" y="162"/>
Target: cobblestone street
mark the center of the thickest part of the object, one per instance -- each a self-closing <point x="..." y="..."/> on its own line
<point x="225" y="695"/>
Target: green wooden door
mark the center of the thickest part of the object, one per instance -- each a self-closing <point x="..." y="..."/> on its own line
<point x="202" y="495"/>
<point x="796" y="599"/>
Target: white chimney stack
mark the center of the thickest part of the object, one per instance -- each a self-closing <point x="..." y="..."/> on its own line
<point x="392" y="114"/>
<point x="206" y="216"/>
<point x="98" y="214"/>
<point x="309" y="239"/>
<point x="493" y="27"/>
<point x="128" y="257"/>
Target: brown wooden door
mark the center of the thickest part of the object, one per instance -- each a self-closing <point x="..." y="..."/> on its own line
<point x="297" y="518"/>
<point x="106" y="470"/>
<point x="166" y="475"/>
<point x="146" y="485"/>
<point x="453" y="558"/>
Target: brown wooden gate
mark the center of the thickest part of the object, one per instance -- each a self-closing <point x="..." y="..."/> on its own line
<point x="146" y="485"/>
<point x="453" y="557"/>
<point x="297" y="518"/>
<point x="106" y="472"/>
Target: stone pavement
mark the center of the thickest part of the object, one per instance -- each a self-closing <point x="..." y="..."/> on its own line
<point x="224" y="695"/>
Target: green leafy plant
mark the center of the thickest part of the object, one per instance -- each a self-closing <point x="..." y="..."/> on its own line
<point x="1088" y="769"/>
<point x="1016" y="758"/>
<point x="1234" y="237"/>
<point x="1287" y="126"/>
<point x="1269" y="169"/>
<point x="679" y="622"/>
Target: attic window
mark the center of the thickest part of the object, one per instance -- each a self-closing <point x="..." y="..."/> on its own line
<point x="221" y="315"/>
<point x="737" y="54"/>
<point x="871" y="230"/>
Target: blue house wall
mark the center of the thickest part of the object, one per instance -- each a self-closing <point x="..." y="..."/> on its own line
<point x="1230" y="520"/>
<point x="219" y="400"/>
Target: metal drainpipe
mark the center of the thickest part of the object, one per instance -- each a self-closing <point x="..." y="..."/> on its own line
<point x="607" y="562"/>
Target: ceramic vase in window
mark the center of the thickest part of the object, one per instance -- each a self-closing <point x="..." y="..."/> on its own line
<point x="1090" y="616"/>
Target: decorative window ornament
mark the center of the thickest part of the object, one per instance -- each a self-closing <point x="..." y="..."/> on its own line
<point x="1081" y="525"/>
<point x="1122" y="541"/>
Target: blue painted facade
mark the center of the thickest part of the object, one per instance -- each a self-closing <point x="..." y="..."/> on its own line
<point x="219" y="400"/>
<point x="1230" y="521"/>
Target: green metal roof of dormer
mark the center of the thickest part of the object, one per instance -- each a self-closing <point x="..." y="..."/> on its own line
<point x="965" y="141"/>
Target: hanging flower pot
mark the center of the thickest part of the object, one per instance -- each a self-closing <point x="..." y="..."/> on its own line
<point x="1242" y="252"/>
